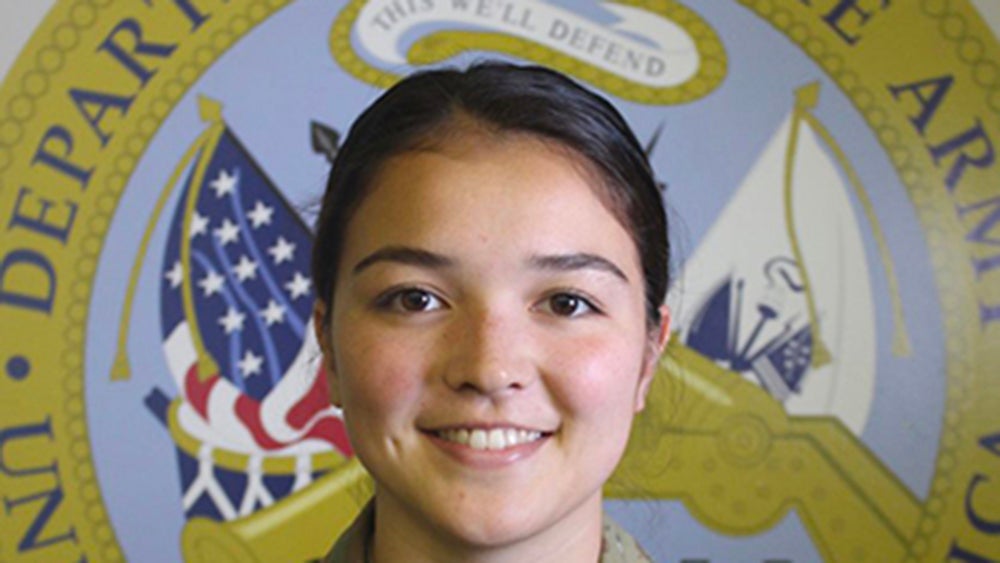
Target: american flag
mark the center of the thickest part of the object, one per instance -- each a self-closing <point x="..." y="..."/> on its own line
<point x="235" y="306"/>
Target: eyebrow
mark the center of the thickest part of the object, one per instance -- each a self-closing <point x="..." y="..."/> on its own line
<point x="576" y="261"/>
<point x="404" y="255"/>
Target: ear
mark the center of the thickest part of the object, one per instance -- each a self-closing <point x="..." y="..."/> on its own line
<point x="321" y="327"/>
<point x="657" y="341"/>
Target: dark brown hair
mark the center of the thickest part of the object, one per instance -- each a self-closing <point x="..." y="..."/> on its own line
<point x="504" y="98"/>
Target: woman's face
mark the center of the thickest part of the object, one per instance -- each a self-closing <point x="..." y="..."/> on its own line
<point x="488" y="340"/>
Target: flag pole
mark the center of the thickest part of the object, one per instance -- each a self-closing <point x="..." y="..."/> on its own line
<point x="210" y="111"/>
<point x="901" y="339"/>
<point x="805" y="98"/>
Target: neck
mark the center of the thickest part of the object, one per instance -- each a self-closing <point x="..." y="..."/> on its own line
<point x="404" y="536"/>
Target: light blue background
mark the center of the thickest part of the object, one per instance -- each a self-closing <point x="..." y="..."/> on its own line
<point x="281" y="76"/>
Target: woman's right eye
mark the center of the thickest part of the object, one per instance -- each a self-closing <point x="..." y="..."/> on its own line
<point x="411" y="300"/>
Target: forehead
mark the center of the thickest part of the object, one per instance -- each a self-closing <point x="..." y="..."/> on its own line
<point x="487" y="186"/>
<point x="462" y="133"/>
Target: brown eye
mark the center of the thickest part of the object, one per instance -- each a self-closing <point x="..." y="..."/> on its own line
<point x="416" y="300"/>
<point x="569" y="305"/>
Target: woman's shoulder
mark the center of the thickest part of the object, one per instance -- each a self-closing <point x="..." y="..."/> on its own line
<point x="351" y="546"/>
<point x="619" y="546"/>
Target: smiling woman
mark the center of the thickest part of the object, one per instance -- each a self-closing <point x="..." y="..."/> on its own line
<point x="491" y="259"/>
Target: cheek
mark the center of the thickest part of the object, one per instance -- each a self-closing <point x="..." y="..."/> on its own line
<point x="596" y="379"/>
<point x="380" y="381"/>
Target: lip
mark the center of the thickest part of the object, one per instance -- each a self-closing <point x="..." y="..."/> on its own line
<point x="487" y="458"/>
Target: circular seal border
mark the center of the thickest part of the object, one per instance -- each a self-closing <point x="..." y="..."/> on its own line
<point x="191" y="60"/>
<point x="960" y="344"/>
<point x="69" y="21"/>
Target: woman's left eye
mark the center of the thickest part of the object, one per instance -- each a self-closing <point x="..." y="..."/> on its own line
<point x="566" y="304"/>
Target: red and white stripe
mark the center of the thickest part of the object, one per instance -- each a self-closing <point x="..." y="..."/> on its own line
<point x="297" y="409"/>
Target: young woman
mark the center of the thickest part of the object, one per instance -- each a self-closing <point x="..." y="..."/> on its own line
<point x="491" y="260"/>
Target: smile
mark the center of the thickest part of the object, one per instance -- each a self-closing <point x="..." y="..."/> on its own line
<point x="492" y="439"/>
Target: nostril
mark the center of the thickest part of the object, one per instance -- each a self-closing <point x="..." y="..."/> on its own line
<point x="483" y="354"/>
<point x="485" y="380"/>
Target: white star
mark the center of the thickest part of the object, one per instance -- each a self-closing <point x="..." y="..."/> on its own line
<point x="298" y="285"/>
<point x="232" y="321"/>
<point x="175" y="275"/>
<point x="260" y="214"/>
<point x="247" y="268"/>
<point x="282" y="250"/>
<point x="199" y="224"/>
<point x="274" y="313"/>
<point x="211" y="283"/>
<point x="227" y="233"/>
<point x="224" y="183"/>
<point x="250" y="364"/>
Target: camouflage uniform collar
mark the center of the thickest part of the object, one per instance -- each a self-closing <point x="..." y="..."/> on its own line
<point x="617" y="546"/>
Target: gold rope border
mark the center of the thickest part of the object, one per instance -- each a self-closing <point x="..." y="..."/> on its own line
<point x="199" y="51"/>
<point x="959" y="339"/>
<point x="132" y="136"/>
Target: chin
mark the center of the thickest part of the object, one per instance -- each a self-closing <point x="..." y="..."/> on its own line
<point x="493" y="530"/>
<point x="496" y="523"/>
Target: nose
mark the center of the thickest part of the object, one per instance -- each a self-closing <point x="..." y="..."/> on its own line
<point x="488" y="355"/>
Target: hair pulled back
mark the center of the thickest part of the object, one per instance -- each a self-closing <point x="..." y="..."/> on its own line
<point x="505" y="98"/>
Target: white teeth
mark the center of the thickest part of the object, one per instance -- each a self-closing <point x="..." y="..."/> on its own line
<point x="494" y="439"/>
<point x="511" y="435"/>
<point x="477" y="439"/>
<point x="498" y="439"/>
